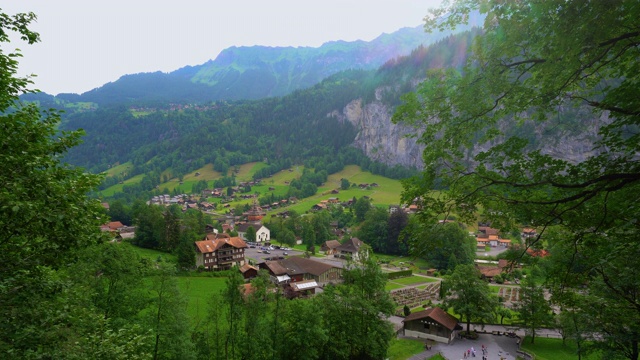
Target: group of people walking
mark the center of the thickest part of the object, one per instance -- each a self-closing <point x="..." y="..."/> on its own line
<point x="471" y="352"/>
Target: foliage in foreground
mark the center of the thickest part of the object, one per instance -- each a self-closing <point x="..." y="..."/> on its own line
<point x="543" y="67"/>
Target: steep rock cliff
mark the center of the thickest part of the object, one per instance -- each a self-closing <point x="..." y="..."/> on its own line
<point x="570" y="135"/>
<point x="378" y="137"/>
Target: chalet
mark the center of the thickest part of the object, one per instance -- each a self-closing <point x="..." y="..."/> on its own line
<point x="330" y="247"/>
<point x="482" y="243"/>
<point x="208" y="229"/>
<point x="504" y="242"/>
<point x="350" y="248"/>
<point x="489" y="272"/>
<point x="433" y="324"/>
<point x="490" y="236"/>
<point x="295" y="269"/>
<point x="318" y="207"/>
<point x="248" y="271"/>
<point x="220" y="252"/>
<point x="263" y="234"/>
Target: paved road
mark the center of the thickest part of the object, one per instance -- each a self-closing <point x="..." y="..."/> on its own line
<point x="497" y="345"/>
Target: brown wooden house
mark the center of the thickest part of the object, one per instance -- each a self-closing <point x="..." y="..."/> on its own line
<point x="220" y="252"/>
<point x="330" y="247"/>
<point x="433" y="324"/>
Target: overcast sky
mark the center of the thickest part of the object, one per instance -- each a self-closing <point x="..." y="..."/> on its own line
<point x="85" y="44"/>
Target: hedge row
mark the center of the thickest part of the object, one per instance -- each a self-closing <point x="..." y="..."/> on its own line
<point x="399" y="274"/>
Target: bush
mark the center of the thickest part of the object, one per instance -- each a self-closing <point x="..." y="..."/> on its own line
<point x="399" y="274"/>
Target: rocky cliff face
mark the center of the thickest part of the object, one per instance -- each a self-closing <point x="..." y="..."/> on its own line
<point x="378" y="137"/>
<point x="570" y="135"/>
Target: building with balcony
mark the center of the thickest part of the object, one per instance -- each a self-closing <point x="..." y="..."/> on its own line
<point x="220" y="252"/>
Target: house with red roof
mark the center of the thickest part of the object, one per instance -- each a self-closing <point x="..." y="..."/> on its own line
<point x="112" y="226"/>
<point x="220" y="252"/>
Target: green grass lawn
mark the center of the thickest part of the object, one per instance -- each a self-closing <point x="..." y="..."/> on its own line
<point x="150" y="253"/>
<point x="401" y="349"/>
<point x="392" y="286"/>
<point x="199" y="290"/>
<point x="553" y="349"/>
<point x="411" y="280"/>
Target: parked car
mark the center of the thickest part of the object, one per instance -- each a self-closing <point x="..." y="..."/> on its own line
<point x="266" y="251"/>
<point x="285" y="253"/>
<point x="252" y="246"/>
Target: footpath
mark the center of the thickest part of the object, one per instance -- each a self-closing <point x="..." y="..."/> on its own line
<point x="498" y="346"/>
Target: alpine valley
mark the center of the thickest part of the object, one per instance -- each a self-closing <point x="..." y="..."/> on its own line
<point x="322" y="108"/>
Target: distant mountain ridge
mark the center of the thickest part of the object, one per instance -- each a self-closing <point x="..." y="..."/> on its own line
<point x="256" y="72"/>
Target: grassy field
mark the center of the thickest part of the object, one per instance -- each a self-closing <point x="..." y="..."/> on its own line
<point x="553" y="349"/>
<point x="388" y="191"/>
<point x="206" y="173"/>
<point x="199" y="291"/>
<point x="151" y="254"/>
<point x="401" y="349"/>
<point x="118" y="169"/>
<point x="246" y="171"/>
<point x="118" y="187"/>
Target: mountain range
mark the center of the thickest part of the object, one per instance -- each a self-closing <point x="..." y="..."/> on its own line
<point x="322" y="107"/>
<point x="257" y="72"/>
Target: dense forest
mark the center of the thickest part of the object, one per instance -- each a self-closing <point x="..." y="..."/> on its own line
<point x="280" y="131"/>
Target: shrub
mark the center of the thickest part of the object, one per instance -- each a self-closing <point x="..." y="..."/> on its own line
<point x="399" y="274"/>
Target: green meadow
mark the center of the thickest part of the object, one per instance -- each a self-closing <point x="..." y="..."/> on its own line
<point x="118" y="187"/>
<point x="199" y="291"/>
<point x="554" y="349"/>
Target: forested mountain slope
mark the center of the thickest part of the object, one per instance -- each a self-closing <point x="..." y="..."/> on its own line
<point x="306" y="124"/>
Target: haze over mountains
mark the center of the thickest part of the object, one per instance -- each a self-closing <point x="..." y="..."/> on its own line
<point x="256" y="72"/>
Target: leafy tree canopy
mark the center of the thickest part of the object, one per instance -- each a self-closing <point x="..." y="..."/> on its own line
<point x="526" y="68"/>
<point x="568" y="69"/>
